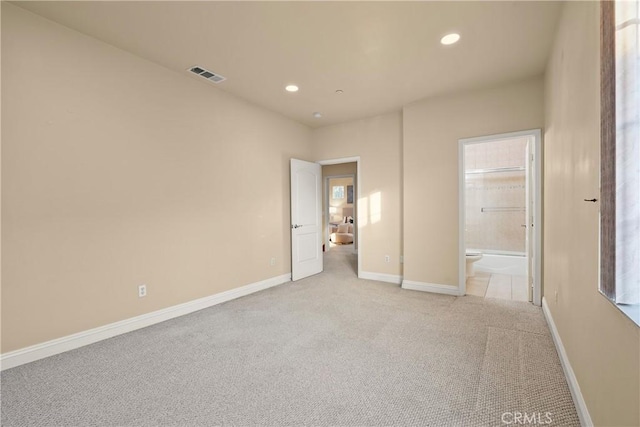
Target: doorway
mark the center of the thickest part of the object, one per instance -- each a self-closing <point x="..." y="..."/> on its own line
<point x="341" y="239"/>
<point x="500" y="201"/>
<point x="339" y="207"/>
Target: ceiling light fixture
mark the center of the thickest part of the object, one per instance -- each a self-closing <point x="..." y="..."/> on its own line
<point x="291" y="88"/>
<point x="317" y="115"/>
<point x="339" y="91"/>
<point x="450" y="39"/>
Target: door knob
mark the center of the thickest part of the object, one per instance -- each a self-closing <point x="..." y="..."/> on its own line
<point x="591" y="200"/>
<point x="296" y="226"/>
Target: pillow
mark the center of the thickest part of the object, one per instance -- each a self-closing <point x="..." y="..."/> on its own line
<point x="350" y="228"/>
<point x="343" y="228"/>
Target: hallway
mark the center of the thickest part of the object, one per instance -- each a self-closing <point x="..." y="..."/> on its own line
<point x="341" y="260"/>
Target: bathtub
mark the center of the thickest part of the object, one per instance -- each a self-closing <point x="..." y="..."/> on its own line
<point x="502" y="264"/>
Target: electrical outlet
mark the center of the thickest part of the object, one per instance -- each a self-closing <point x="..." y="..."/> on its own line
<point x="387" y="258"/>
<point x="142" y="291"/>
<point x="272" y="262"/>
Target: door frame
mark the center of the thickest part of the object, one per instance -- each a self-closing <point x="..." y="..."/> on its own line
<point x="535" y="165"/>
<point x="358" y="185"/>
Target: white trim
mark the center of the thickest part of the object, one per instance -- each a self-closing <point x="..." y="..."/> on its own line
<point x="537" y="217"/>
<point x="574" y="387"/>
<point x="339" y="161"/>
<point x="462" y="220"/>
<point x="80" y="339"/>
<point x="358" y="195"/>
<point x="380" y="277"/>
<point x="431" y="287"/>
<point x="537" y="214"/>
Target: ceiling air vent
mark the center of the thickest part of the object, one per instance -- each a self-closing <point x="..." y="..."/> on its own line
<point x="216" y="78"/>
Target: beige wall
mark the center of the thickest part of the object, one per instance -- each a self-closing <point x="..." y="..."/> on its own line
<point x="377" y="140"/>
<point x="118" y="172"/>
<point x="432" y="128"/>
<point x="602" y="345"/>
<point x="350" y="168"/>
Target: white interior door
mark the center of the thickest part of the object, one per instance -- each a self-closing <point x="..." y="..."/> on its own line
<point x="306" y="219"/>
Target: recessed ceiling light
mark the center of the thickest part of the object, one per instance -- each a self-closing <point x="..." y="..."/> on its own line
<point x="291" y="88"/>
<point x="317" y="115"/>
<point x="450" y="38"/>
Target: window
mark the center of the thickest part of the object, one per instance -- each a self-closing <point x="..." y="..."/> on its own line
<point x="620" y="155"/>
<point x="337" y="192"/>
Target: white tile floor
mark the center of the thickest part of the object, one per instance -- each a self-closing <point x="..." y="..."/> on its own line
<point x="502" y="286"/>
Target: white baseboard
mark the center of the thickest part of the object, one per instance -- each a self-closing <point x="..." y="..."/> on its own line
<point x="380" y="277"/>
<point x="576" y="394"/>
<point x="430" y="287"/>
<point x="80" y="339"/>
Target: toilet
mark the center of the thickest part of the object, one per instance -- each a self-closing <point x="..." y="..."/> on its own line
<point x="472" y="257"/>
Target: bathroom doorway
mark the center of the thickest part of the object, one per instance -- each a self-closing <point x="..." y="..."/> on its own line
<point x="500" y="201"/>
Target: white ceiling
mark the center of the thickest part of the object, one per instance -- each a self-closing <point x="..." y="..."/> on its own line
<point x="382" y="54"/>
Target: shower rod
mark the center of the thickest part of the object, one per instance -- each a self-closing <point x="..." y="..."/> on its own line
<point x="503" y="209"/>
<point x="492" y="170"/>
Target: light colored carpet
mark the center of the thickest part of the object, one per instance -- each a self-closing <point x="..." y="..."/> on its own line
<point x="327" y="350"/>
